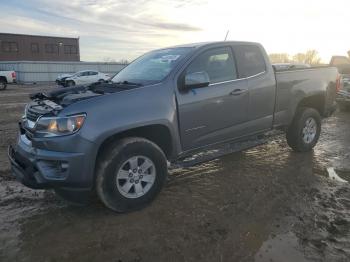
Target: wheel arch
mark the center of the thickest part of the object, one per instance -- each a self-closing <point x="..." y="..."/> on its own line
<point x="316" y="101"/>
<point x="3" y="78"/>
<point x="156" y="133"/>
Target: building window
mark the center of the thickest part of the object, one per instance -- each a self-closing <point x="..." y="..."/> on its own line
<point x="10" y="47"/>
<point x="34" y="47"/>
<point x="70" y="49"/>
<point x="51" y="48"/>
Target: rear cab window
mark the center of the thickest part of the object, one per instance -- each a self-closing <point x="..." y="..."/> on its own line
<point x="250" y="60"/>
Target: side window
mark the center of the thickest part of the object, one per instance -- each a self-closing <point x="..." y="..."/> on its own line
<point x="250" y="60"/>
<point x="217" y="63"/>
<point x="86" y="73"/>
<point x="92" y="73"/>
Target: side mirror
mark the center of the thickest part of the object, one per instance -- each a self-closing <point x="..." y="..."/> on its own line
<point x="197" y="80"/>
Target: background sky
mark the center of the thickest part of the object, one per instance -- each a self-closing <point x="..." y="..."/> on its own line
<point x="124" y="29"/>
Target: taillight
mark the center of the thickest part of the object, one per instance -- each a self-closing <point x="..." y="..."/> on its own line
<point x="338" y="83"/>
<point x="13" y="75"/>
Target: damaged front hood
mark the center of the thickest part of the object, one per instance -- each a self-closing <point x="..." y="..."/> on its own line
<point x="54" y="101"/>
<point x="66" y="96"/>
<point x="63" y="76"/>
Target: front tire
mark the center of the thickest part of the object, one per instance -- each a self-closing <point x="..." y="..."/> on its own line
<point x="70" y="83"/>
<point x="130" y="174"/>
<point x="3" y="84"/>
<point x="304" y="132"/>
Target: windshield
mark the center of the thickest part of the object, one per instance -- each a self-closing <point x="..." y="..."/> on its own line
<point x="151" y="67"/>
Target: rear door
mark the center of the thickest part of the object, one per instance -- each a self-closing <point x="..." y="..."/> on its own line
<point x="251" y="62"/>
<point x="83" y="78"/>
<point x="217" y="112"/>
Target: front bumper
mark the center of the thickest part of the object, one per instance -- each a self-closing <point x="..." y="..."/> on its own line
<point x="60" y="82"/>
<point x="40" y="168"/>
<point x="24" y="171"/>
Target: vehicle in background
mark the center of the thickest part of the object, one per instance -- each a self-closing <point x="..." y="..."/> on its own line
<point x="60" y="80"/>
<point x="117" y="138"/>
<point x="288" y="66"/>
<point x="7" y="77"/>
<point x="343" y="94"/>
<point x="84" y="78"/>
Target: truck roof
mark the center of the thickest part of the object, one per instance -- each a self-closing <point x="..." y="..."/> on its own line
<point x="202" y="44"/>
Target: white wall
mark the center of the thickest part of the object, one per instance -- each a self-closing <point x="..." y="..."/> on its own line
<point x="42" y="71"/>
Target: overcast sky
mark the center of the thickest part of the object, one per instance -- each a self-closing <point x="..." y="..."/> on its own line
<point x="124" y="29"/>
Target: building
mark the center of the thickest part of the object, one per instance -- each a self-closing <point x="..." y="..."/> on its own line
<point x="18" y="47"/>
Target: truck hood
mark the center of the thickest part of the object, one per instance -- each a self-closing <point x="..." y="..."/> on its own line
<point x="63" y="76"/>
<point x="50" y="103"/>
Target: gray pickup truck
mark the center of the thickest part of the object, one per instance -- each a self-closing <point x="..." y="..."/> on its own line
<point x="117" y="139"/>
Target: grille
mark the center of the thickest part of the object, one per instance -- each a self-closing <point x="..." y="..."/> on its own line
<point x="32" y="115"/>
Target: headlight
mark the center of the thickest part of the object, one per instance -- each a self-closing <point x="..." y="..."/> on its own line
<point x="59" y="126"/>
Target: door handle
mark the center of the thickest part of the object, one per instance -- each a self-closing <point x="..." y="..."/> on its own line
<point x="238" y="92"/>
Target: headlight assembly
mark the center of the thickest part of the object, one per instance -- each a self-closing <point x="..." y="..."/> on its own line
<point x="59" y="126"/>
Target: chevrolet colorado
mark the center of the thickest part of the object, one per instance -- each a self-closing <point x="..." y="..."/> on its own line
<point x="117" y="139"/>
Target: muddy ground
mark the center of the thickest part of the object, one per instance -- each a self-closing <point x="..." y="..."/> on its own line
<point x="264" y="204"/>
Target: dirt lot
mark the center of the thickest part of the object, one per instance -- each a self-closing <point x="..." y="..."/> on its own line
<point x="263" y="204"/>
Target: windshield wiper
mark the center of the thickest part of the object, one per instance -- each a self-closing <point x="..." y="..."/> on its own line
<point x="128" y="83"/>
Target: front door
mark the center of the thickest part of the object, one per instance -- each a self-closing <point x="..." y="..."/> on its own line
<point x="84" y="78"/>
<point x="219" y="111"/>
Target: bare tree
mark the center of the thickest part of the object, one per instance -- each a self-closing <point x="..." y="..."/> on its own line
<point x="311" y="57"/>
<point x="279" y="58"/>
<point x="299" y="58"/>
<point x="123" y="61"/>
<point x="109" y="60"/>
<point x="112" y="60"/>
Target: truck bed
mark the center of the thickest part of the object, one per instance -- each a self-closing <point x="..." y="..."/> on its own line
<point x="293" y="85"/>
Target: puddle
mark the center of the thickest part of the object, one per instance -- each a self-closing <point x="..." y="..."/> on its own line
<point x="281" y="248"/>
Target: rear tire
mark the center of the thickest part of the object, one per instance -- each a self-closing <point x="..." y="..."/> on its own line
<point x="130" y="174"/>
<point x="3" y="84"/>
<point x="304" y="132"/>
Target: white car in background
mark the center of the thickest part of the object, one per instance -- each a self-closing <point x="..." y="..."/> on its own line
<point x="7" y="77"/>
<point x="85" y="77"/>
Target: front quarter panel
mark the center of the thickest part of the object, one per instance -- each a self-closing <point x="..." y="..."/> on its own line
<point x="111" y="114"/>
